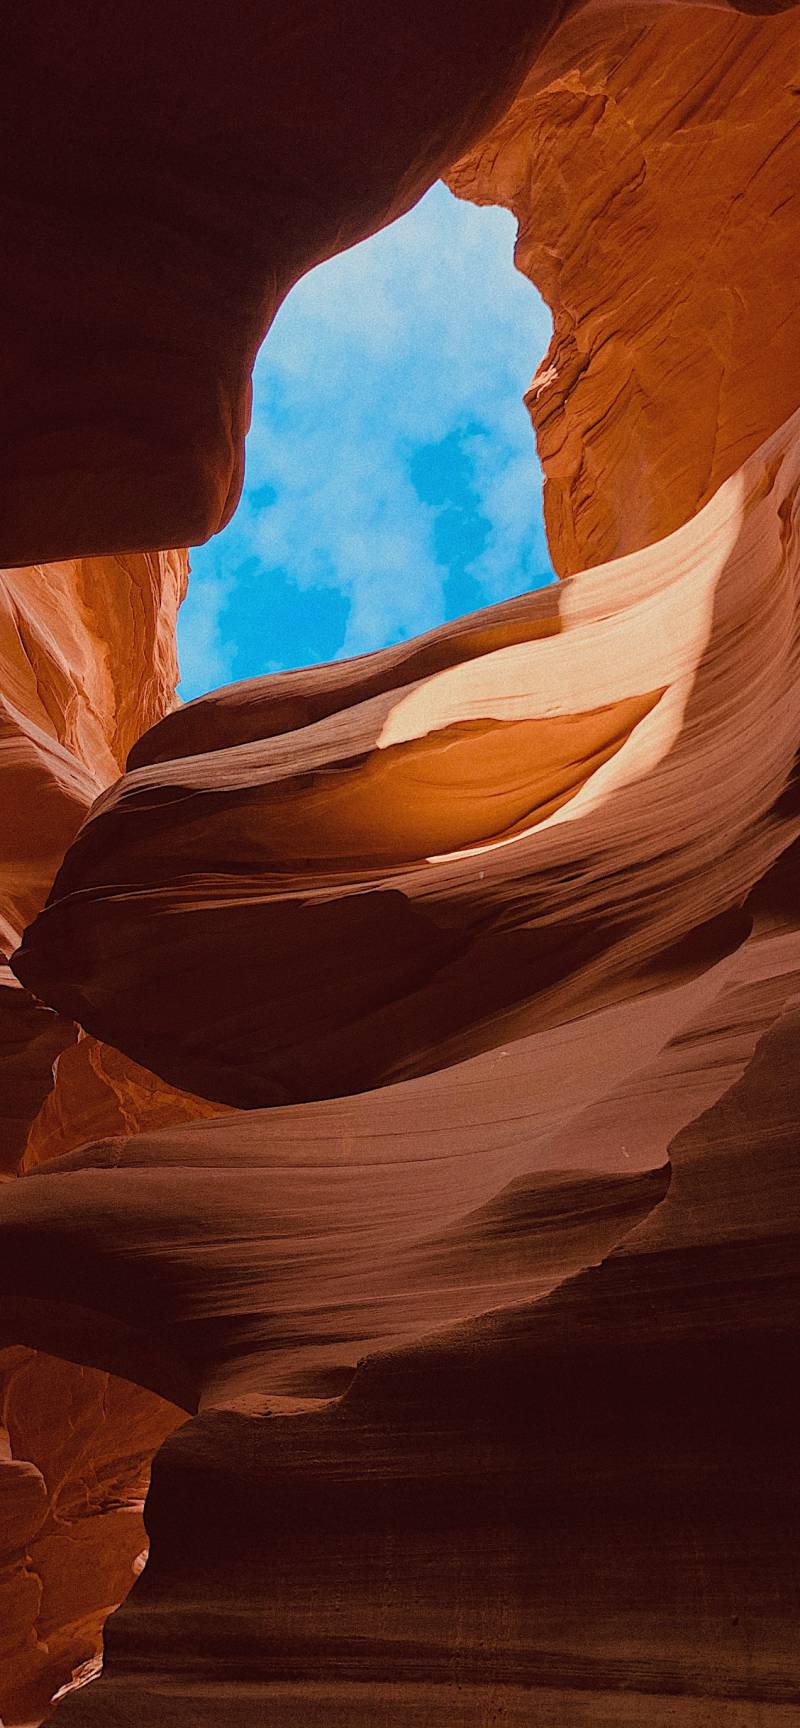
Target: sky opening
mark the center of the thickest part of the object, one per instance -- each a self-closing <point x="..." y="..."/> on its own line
<point x="392" y="480"/>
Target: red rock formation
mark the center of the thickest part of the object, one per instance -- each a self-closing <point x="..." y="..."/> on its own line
<point x="31" y="1039"/>
<point x="174" y="158"/>
<point x="511" y="1480"/>
<point x="98" y="1091"/>
<point x="522" y="895"/>
<point x="73" y="1477"/>
<point x="493" y="847"/>
<point x="87" y="660"/>
<point x="652" y="159"/>
<point x="79" y="1440"/>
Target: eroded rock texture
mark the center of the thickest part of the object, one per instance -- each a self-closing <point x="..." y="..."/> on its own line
<point x="174" y="156"/>
<point x="87" y="661"/>
<point x="75" y="1450"/>
<point x="653" y="163"/>
<point x="486" y="1289"/>
<point x="478" y="1514"/>
<point x="492" y="847"/>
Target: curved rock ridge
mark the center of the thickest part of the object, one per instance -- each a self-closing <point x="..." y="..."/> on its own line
<point x="97" y="1092"/>
<point x="199" y="200"/>
<point x="264" y="1252"/>
<point x="652" y="159"/>
<point x="259" y="708"/>
<point x="489" y="1307"/>
<point x="246" y="1298"/>
<point x="461" y="859"/>
<point x="643" y="1406"/>
<point x="176" y="160"/>
<point x="269" y="1274"/>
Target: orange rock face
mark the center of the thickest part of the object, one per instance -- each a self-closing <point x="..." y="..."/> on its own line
<point x="652" y="160"/>
<point x="74" y="1471"/>
<point x="495" y="847"/>
<point x="503" y="1473"/>
<point x="87" y="661"/>
<point x="98" y="1091"/>
<point x="487" y="1294"/>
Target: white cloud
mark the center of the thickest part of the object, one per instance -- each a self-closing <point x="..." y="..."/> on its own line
<point x="206" y="656"/>
<point x="421" y="332"/>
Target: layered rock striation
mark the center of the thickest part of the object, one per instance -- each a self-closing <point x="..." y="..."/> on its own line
<point x="425" y="1123"/>
<point x="87" y="661"/>
<point x="652" y="161"/>
<point x="466" y="857"/>
<point x="630" y="1390"/>
<point x="201" y="169"/>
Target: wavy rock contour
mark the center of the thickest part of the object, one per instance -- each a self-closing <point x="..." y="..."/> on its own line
<point x="494" y="847"/>
<point x="175" y="159"/>
<point x="487" y="1302"/>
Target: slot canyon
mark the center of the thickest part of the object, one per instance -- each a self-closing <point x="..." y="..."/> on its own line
<point x="399" y="1203"/>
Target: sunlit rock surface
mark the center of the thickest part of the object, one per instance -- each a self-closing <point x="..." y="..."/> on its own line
<point x="652" y="159"/>
<point x="487" y="1300"/>
<point x="87" y="663"/>
<point x="467" y="857"/>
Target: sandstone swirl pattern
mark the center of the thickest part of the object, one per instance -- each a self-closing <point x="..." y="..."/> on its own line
<point x="490" y="848"/>
<point x="423" y="1133"/>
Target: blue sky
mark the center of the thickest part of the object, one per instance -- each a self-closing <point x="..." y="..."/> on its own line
<point x="391" y="479"/>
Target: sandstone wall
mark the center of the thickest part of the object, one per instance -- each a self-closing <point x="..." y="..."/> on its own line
<point x="87" y="661"/>
<point x="652" y="160"/>
<point x="488" y="1297"/>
